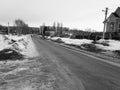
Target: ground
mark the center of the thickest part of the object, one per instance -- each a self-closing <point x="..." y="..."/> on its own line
<point x="54" y="67"/>
<point x="40" y="72"/>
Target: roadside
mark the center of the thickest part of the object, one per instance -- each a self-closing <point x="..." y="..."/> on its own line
<point x="91" y="49"/>
<point x="24" y="65"/>
<point x="21" y="68"/>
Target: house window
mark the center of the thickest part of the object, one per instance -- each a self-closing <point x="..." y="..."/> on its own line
<point x="112" y="26"/>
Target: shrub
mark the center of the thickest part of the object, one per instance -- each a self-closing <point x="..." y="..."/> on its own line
<point x="117" y="52"/>
<point x="91" y="47"/>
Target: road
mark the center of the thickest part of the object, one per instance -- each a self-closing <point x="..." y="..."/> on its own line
<point x="93" y="74"/>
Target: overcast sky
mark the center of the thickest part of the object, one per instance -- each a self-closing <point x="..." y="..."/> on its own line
<point x="79" y="14"/>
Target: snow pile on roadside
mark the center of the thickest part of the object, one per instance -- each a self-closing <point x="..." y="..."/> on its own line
<point x="30" y="51"/>
<point x="22" y="44"/>
<point x="73" y="41"/>
<point x="76" y="41"/>
<point x="54" y="38"/>
<point x="112" y="45"/>
<point x="3" y="43"/>
<point x="107" y="45"/>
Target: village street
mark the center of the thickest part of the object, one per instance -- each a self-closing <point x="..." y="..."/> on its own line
<point x="91" y="73"/>
<point x="22" y="67"/>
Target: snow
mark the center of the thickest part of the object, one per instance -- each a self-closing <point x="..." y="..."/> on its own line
<point x="76" y="41"/>
<point x="113" y="45"/>
<point x="22" y="44"/>
<point x="73" y="41"/>
<point x="54" y="38"/>
<point x="31" y="49"/>
<point x="3" y="43"/>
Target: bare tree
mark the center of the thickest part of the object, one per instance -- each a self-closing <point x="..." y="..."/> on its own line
<point x="21" y="26"/>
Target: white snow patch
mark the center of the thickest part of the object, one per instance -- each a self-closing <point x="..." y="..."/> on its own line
<point x="76" y="41"/>
<point x="113" y="45"/>
<point x="23" y="44"/>
<point x="73" y="41"/>
<point x="30" y="50"/>
<point x="55" y="38"/>
<point x="3" y="43"/>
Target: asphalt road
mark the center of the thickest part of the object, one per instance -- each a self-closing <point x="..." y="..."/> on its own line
<point x="94" y="74"/>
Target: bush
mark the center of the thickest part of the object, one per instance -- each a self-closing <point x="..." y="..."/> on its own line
<point x="91" y="47"/>
<point x="117" y="52"/>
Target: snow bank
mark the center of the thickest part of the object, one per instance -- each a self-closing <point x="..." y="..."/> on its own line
<point x="73" y="41"/>
<point x="3" y="43"/>
<point x="54" y="38"/>
<point x="113" y="45"/>
<point x="30" y="51"/>
<point x="22" y="44"/>
<point x="76" y="41"/>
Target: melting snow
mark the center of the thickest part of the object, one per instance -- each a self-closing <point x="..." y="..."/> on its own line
<point x="113" y="45"/>
<point x="76" y="41"/>
<point x="73" y="41"/>
<point x="22" y="44"/>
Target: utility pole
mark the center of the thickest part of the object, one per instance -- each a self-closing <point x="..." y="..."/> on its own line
<point x="104" y="29"/>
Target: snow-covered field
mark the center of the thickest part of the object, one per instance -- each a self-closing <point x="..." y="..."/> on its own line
<point x="112" y="45"/>
<point x="22" y="44"/>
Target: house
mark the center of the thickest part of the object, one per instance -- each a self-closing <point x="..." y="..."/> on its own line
<point x="113" y="25"/>
<point x="113" y="21"/>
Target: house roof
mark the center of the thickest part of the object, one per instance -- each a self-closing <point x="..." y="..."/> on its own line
<point x="116" y="15"/>
<point x="117" y="9"/>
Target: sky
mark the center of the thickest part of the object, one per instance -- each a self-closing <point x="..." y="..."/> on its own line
<point x="79" y="14"/>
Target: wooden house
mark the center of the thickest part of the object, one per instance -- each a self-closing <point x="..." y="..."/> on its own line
<point x="113" y="21"/>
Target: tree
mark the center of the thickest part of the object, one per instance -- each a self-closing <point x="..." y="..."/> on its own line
<point x="1" y="27"/>
<point x="21" y="26"/>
